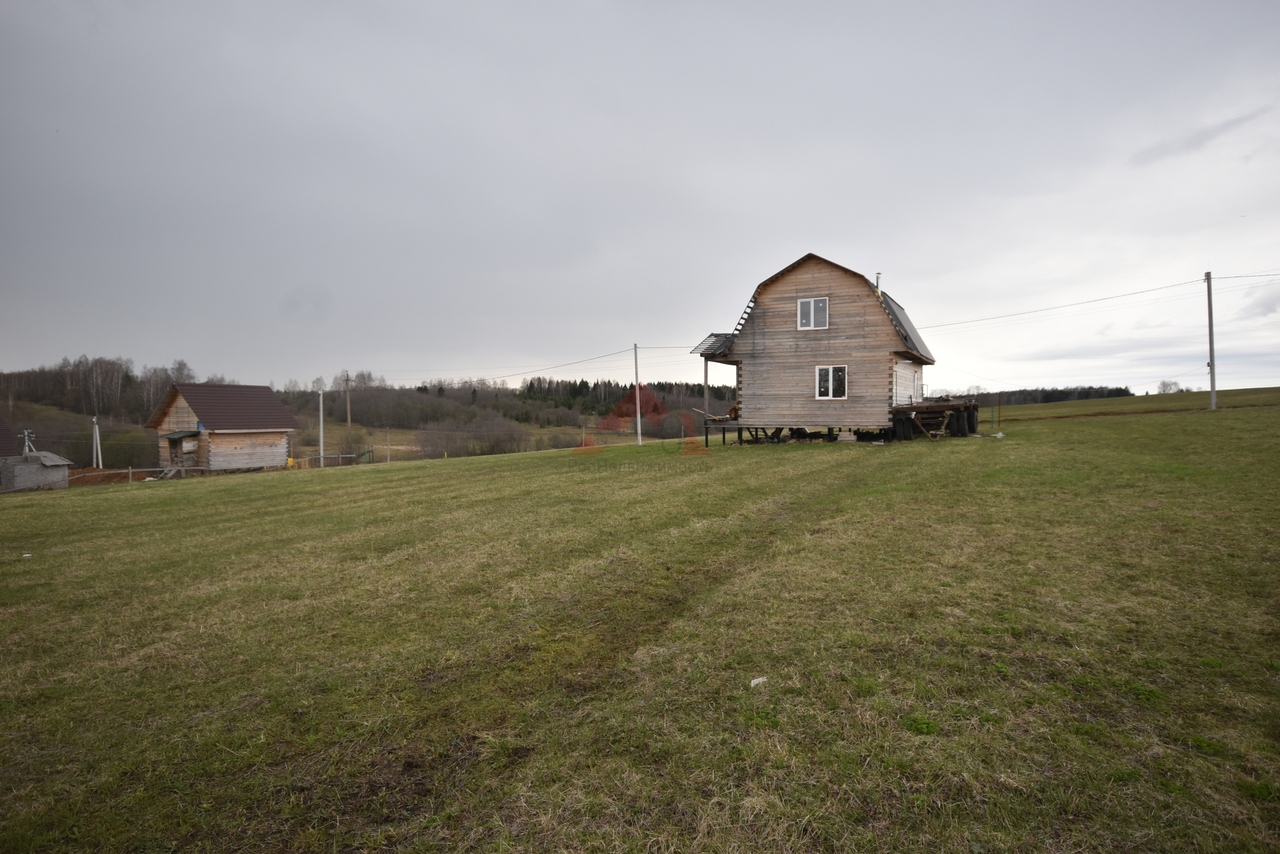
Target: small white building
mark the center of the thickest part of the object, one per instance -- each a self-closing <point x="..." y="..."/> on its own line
<point x="38" y="470"/>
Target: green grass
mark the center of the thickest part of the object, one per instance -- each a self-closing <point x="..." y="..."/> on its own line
<point x="1064" y="639"/>
<point x="1138" y="404"/>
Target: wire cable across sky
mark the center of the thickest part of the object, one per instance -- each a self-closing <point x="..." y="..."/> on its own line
<point x="672" y="360"/>
<point x="1090" y="301"/>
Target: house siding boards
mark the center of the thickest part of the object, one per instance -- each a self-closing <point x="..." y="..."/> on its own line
<point x="777" y="361"/>
<point x="907" y="382"/>
<point x="247" y="450"/>
<point x="179" y="417"/>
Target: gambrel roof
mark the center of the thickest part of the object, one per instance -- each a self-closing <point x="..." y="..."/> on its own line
<point x="229" y="407"/>
<point x="907" y="329"/>
<point x="718" y="344"/>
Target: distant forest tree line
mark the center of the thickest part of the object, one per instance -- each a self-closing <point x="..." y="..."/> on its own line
<point x="1020" y="396"/>
<point x="538" y="402"/>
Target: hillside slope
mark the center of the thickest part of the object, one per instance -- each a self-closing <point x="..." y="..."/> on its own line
<point x="1063" y="639"/>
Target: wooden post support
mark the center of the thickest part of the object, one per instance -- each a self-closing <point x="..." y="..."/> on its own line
<point x="1213" y="368"/>
<point x="706" y="401"/>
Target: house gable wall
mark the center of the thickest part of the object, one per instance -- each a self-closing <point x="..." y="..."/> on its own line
<point x="179" y="417"/>
<point x="778" y="360"/>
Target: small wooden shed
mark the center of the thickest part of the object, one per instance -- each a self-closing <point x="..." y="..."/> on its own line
<point x="205" y="426"/>
<point x="820" y="346"/>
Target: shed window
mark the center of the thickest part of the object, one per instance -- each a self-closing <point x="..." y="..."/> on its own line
<point x="831" y="382"/>
<point x="811" y="313"/>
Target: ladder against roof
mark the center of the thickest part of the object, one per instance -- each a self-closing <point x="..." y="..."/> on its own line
<point x="746" y="311"/>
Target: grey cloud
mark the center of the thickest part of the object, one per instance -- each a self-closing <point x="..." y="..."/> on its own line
<point x="1194" y="141"/>
<point x="309" y="303"/>
<point x="1132" y="348"/>
<point x="473" y="185"/>
<point x="1262" y="304"/>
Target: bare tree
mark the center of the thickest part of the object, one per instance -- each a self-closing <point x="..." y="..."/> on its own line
<point x="181" y="372"/>
<point x="153" y="384"/>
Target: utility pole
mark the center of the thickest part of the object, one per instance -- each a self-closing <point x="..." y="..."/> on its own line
<point x="635" y="349"/>
<point x="96" y="450"/>
<point x="1213" y="368"/>
<point x="346" y="384"/>
<point x="321" y="428"/>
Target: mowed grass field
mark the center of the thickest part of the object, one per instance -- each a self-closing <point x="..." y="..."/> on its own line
<point x="1066" y="639"/>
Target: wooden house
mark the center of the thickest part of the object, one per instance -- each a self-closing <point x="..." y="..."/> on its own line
<point x="222" y="427"/>
<point x="819" y="346"/>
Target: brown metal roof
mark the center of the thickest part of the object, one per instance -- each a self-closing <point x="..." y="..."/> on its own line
<point x="9" y="446"/>
<point x="229" y="407"/>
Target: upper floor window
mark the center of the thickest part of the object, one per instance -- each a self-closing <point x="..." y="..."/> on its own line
<point x="811" y="313"/>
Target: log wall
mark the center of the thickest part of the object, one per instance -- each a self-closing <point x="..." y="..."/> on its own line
<point x="179" y="417"/>
<point x="247" y="450"/>
<point x="778" y="360"/>
<point x="907" y="382"/>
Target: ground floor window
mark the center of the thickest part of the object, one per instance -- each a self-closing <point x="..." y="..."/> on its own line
<point x="831" y="382"/>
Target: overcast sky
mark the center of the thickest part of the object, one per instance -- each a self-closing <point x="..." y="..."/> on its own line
<point x="276" y="190"/>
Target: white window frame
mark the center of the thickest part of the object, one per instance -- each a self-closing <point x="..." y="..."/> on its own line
<point x="817" y="382"/>
<point x="809" y="301"/>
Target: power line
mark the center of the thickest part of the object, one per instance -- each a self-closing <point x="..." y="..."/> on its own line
<point x="1091" y="301"/>
<point x="1067" y="305"/>
<point x="1155" y="301"/>
<point x="553" y="367"/>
